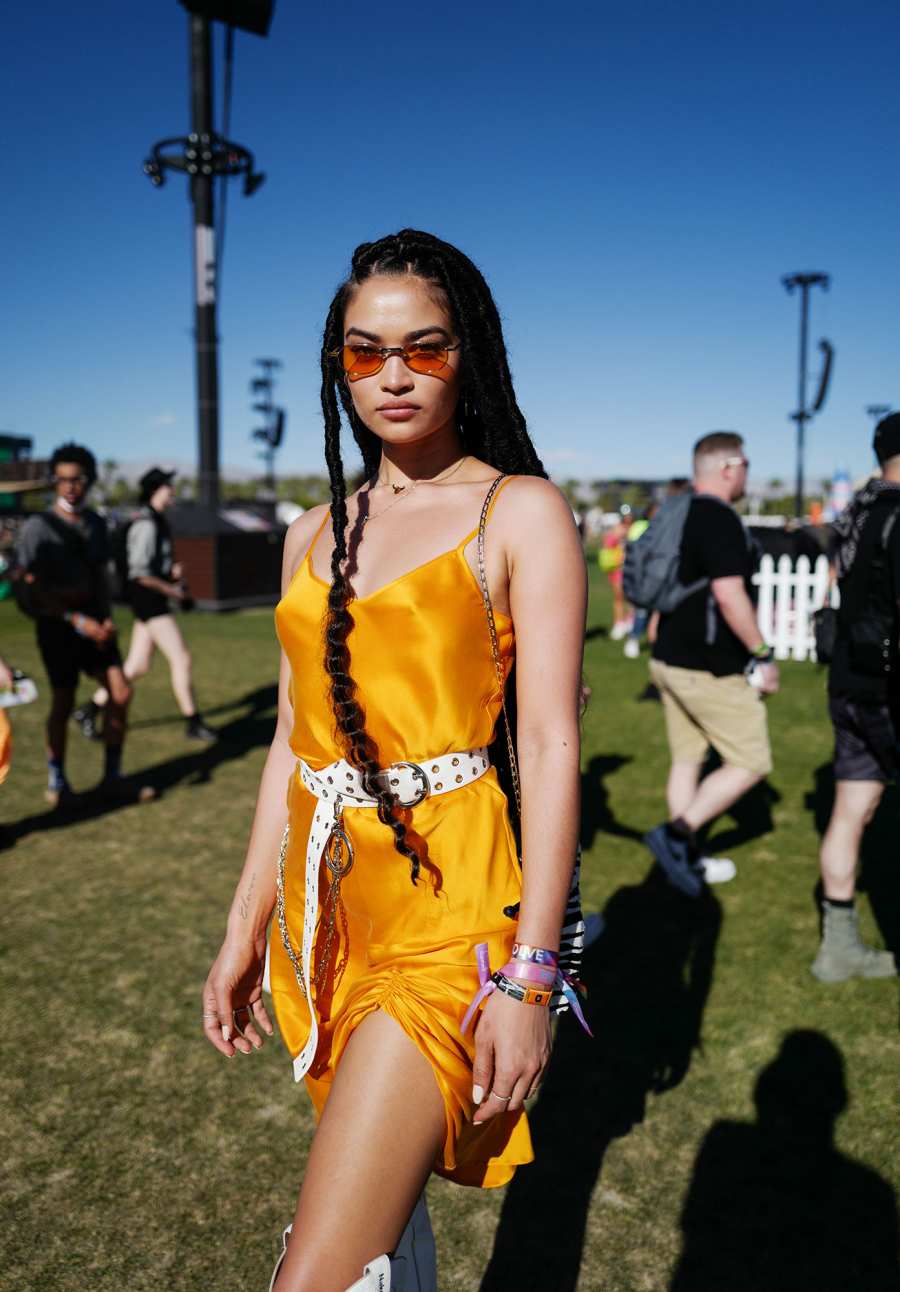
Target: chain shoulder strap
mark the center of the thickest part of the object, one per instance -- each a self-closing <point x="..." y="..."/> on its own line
<point x="495" y="645"/>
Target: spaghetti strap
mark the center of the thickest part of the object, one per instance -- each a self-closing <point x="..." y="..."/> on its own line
<point x="473" y="533"/>
<point x="316" y="535"/>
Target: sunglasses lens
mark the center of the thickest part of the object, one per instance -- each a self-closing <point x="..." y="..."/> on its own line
<point x="426" y="358"/>
<point x="360" y="361"/>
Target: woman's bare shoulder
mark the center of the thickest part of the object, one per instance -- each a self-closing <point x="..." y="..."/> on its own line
<point x="300" y="534"/>
<point x="532" y="500"/>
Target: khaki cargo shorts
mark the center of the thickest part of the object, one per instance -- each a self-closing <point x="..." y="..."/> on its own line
<point x="725" y="712"/>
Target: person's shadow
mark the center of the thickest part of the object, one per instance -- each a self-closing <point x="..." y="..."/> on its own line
<point x="251" y="727"/>
<point x="879" y="876"/>
<point x="648" y="978"/>
<point x="596" y="814"/>
<point x="773" y="1205"/>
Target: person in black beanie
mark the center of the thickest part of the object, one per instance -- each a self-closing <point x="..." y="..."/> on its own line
<point x="154" y="580"/>
<point x="864" y="704"/>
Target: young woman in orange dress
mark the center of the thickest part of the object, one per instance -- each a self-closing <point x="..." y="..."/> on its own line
<point x="382" y="850"/>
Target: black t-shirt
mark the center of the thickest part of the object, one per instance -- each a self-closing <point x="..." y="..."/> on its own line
<point x="714" y="545"/>
<point x="842" y="678"/>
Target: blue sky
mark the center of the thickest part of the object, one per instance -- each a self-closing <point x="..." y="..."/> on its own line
<point x="633" y="180"/>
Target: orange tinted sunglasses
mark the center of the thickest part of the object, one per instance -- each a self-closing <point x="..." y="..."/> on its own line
<point x="363" y="360"/>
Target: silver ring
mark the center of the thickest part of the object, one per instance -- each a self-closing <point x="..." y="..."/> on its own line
<point x="211" y="1014"/>
<point x="504" y="1099"/>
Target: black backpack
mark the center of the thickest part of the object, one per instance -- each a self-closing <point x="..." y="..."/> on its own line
<point x="867" y="617"/>
<point x="117" y="570"/>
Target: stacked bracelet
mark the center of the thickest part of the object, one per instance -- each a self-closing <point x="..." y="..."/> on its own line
<point x="521" y="991"/>
<point x="535" y="955"/>
<point x="543" y="974"/>
<point x="527" y="967"/>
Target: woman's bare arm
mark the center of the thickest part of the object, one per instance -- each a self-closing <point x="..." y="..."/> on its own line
<point x="235" y="978"/>
<point x="548" y="600"/>
<point x="254" y="896"/>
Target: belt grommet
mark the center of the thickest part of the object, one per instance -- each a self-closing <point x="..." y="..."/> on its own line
<point x="435" y="768"/>
<point x="455" y="762"/>
<point x="458" y="779"/>
<point x="438" y="785"/>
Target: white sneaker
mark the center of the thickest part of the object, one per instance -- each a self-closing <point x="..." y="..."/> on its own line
<point x="718" y="870"/>
<point x="632" y="648"/>
<point x="619" y="630"/>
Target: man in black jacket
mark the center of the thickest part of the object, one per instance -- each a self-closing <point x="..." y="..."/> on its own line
<point x="62" y="553"/>
<point x="864" y="703"/>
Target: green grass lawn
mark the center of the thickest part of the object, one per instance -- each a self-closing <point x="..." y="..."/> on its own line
<point x="133" y="1157"/>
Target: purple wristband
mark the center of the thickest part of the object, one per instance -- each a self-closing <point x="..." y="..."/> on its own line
<point x="526" y="971"/>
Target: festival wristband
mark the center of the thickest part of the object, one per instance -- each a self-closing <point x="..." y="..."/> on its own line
<point x="528" y="972"/>
<point x="537" y="955"/>
<point x="763" y="653"/>
<point x="518" y="991"/>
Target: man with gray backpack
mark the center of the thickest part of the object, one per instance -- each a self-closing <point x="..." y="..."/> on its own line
<point x="694" y="565"/>
<point x="864" y="704"/>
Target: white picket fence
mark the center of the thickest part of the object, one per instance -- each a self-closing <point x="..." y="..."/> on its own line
<point x="788" y="596"/>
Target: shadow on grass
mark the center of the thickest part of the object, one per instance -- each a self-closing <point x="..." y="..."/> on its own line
<point x="251" y="729"/>
<point x="649" y="976"/>
<point x="879" y="875"/>
<point x="596" y="816"/>
<point x="752" y="817"/>
<point x="774" y="1205"/>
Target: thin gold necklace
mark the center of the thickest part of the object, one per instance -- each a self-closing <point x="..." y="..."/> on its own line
<point x="405" y="491"/>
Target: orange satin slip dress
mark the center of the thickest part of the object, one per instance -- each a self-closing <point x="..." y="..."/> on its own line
<point x="421" y="657"/>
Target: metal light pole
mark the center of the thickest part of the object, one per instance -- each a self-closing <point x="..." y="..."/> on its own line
<point x="272" y="433"/>
<point x="803" y="414"/>
<point x="204" y="155"/>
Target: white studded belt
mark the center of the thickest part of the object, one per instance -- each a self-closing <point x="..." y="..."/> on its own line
<point x="339" y="786"/>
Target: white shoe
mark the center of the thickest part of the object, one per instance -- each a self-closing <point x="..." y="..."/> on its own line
<point x="376" y="1277"/>
<point x="632" y="648"/>
<point x="718" y="870"/>
<point x="619" y="630"/>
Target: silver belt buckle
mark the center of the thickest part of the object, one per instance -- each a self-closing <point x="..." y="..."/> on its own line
<point x="419" y="774"/>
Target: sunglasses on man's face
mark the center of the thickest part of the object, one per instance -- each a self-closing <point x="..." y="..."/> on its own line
<point x="737" y="462"/>
<point x="70" y="480"/>
<point x="427" y="357"/>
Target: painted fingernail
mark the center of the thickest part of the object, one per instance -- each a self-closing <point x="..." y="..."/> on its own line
<point x="226" y="1032"/>
<point x="477" y="1094"/>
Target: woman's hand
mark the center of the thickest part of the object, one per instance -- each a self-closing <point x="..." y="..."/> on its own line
<point x="232" y="997"/>
<point x="512" y="1047"/>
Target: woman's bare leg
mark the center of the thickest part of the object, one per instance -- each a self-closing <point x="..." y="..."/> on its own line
<point x="137" y="662"/>
<point x="167" y="636"/>
<point x="374" y="1148"/>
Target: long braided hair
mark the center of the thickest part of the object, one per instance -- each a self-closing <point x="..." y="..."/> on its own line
<point x="492" y="428"/>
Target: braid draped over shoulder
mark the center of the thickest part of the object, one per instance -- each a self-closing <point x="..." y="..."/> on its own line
<point x="492" y="428"/>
